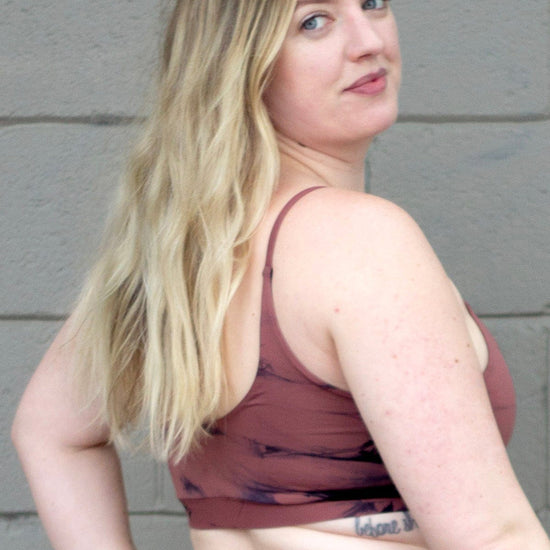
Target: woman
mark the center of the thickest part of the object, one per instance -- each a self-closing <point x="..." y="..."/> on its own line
<point x="269" y="322"/>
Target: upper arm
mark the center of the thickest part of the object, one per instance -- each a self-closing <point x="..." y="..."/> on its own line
<point x="74" y="475"/>
<point x="51" y="410"/>
<point x="405" y="352"/>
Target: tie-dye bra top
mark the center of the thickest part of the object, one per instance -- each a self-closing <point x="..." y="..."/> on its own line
<point x="295" y="450"/>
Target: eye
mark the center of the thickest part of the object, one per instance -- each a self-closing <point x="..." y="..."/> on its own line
<point x="375" y="4"/>
<point x="315" y="22"/>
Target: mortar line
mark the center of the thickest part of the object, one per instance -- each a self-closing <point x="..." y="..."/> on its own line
<point x="105" y="119"/>
<point x="11" y="516"/>
<point x="101" y="119"/>
<point x="32" y="317"/>
<point x="512" y="315"/>
<point x="64" y="317"/>
<point x="474" y="119"/>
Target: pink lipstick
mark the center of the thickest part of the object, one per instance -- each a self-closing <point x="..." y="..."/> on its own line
<point x="370" y="84"/>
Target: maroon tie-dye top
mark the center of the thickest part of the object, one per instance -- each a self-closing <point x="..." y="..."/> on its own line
<point x="295" y="450"/>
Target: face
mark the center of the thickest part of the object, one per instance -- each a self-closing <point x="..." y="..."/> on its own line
<point x="337" y="78"/>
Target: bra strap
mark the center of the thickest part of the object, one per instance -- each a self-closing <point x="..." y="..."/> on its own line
<point x="276" y="226"/>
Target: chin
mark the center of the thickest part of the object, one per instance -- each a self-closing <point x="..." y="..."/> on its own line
<point x="386" y="116"/>
<point x="388" y="123"/>
<point x="380" y="122"/>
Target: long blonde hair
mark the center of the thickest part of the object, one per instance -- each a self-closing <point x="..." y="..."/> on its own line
<point x="150" y="319"/>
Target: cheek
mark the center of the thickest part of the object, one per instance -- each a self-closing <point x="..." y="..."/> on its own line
<point x="293" y="111"/>
<point x="395" y="56"/>
<point x="394" y="51"/>
<point x="285" y="109"/>
<point x="288" y="91"/>
<point x="275" y="99"/>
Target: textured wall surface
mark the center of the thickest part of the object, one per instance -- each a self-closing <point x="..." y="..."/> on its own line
<point x="469" y="159"/>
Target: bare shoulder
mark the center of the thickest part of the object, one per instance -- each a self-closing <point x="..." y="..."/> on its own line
<point x="360" y="242"/>
<point x="359" y="220"/>
<point x="369" y="260"/>
<point x="354" y="204"/>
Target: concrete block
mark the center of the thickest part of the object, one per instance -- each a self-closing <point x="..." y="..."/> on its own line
<point x="148" y="532"/>
<point x="481" y="193"/>
<point x="166" y="532"/>
<point x="22" y="345"/>
<point x="86" y="58"/>
<point x="471" y="59"/>
<point x="56" y="184"/>
<point x="523" y="343"/>
<point x="68" y="58"/>
<point x="141" y="482"/>
<point x="478" y="191"/>
<point x="23" y="533"/>
<point x="544" y="516"/>
<point x="170" y="503"/>
<point x="528" y="449"/>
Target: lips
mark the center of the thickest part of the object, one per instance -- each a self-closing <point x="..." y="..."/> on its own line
<point x="371" y="83"/>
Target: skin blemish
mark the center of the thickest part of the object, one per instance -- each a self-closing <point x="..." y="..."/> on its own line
<point x="336" y="310"/>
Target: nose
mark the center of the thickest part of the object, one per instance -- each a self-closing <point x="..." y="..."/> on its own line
<point x="363" y="36"/>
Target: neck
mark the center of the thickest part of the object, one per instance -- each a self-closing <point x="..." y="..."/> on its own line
<point x="324" y="168"/>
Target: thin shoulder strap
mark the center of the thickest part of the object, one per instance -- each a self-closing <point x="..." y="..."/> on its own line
<point x="279" y="221"/>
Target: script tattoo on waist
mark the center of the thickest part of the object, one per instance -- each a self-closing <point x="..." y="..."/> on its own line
<point x="365" y="527"/>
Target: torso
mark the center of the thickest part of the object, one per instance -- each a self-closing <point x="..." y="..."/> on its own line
<point x="242" y="328"/>
<point x="313" y="347"/>
<point x="310" y="342"/>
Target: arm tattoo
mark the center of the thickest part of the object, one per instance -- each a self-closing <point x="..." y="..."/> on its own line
<point x="364" y="527"/>
<point x="408" y="522"/>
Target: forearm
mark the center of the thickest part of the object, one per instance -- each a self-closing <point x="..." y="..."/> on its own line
<point x="78" y="493"/>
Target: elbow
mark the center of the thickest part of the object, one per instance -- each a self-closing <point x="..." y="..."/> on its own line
<point x="527" y="536"/>
<point x="22" y="429"/>
<point x="18" y="430"/>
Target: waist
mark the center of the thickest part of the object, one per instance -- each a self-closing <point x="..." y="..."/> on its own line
<point x="238" y="513"/>
<point x="372" y="532"/>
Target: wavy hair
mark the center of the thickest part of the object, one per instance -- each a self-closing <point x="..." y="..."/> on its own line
<point x="150" y="318"/>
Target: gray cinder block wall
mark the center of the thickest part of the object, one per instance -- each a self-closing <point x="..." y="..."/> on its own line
<point x="469" y="159"/>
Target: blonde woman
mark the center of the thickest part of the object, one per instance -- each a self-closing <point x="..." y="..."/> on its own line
<point x="292" y="345"/>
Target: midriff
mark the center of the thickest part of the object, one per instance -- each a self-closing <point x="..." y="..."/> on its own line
<point x="388" y="531"/>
